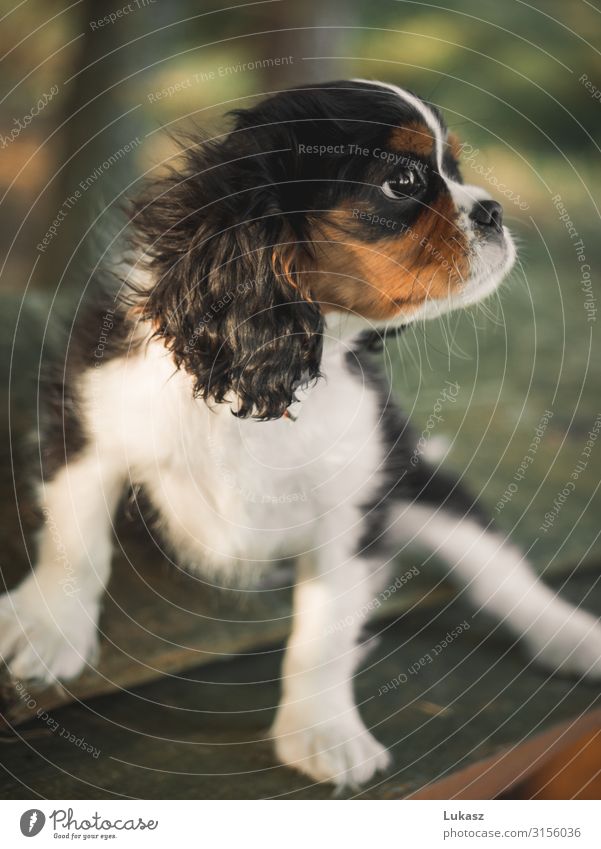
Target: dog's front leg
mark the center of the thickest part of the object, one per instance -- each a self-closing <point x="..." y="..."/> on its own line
<point x="318" y="729"/>
<point x="48" y="623"/>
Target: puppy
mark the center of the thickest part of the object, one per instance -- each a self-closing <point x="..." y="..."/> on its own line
<point x="231" y="383"/>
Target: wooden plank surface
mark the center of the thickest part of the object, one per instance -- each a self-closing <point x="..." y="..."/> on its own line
<point x="203" y="734"/>
<point x="497" y="775"/>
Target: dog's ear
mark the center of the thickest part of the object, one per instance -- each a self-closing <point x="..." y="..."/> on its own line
<point x="227" y="294"/>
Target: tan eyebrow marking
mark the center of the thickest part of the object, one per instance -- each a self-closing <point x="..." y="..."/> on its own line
<point x="414" y="138"/>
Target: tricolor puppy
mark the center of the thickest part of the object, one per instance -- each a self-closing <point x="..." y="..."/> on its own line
<point x="235" y="387"/>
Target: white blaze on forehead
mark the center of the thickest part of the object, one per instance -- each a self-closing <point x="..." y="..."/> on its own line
<point x="424" y="111"/>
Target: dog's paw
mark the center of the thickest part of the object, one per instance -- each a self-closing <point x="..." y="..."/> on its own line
<point x="45" y="645"/>
<point x="339" y="750"/>
<point x="574" y="647"/>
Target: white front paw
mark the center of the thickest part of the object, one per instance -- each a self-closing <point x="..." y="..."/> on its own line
<point x="573" y="648"/>
<point x="340" y="750"/>
<point x="44" y="642"/>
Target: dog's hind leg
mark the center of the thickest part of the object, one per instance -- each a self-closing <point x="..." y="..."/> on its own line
<point x="431" y="509"/>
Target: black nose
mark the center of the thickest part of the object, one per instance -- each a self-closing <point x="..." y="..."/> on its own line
<point x="487" y="213"/>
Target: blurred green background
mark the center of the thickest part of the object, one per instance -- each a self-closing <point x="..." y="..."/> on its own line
<point x="517" y="82"/>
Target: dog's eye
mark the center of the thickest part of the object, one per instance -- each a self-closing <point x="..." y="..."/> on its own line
<point x="405" y="184"/>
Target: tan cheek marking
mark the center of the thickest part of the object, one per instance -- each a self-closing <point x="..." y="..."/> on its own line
<point x="388" y="277"/>
<point x="415" y="138"/>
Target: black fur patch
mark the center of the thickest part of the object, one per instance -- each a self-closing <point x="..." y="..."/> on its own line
<point x="98" y="333"/>
<point x="402" y="480"/>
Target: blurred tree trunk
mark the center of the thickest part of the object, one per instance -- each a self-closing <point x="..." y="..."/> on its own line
<point x="303" y="31"/>
<point x="103" y="115"/>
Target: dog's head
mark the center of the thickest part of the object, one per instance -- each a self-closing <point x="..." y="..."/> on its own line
<point x="341" y="199"/>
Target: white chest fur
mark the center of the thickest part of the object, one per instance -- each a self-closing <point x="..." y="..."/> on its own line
<point x="230" y="491"/>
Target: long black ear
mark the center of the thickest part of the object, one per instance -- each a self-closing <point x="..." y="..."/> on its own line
<point x="227" y="266"/>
